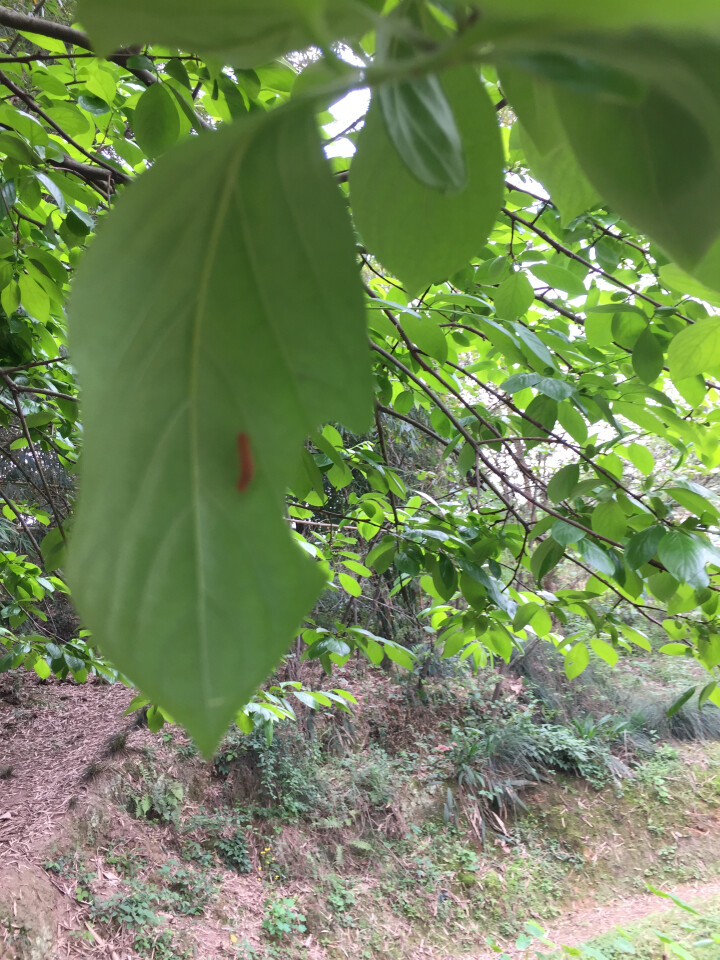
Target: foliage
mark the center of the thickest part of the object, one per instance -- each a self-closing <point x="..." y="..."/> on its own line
<point x="154" y="797"/>
<point x="283" y="773"/>
<point x="233" y="852"/>
<point x="140" y="904"/>
<point x="527" y="229"/>
<point x="494" y="764"/>
<point x="282" y="919"/>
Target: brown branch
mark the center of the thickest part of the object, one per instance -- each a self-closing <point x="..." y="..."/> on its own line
<point x="48" y="393"/>
<point x="566" y="251"/>
<point x="58" y="31"/>
<point x="34" y="363"/>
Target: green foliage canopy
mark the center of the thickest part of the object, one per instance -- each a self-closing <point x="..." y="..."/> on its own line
<point x="554" y="352"/>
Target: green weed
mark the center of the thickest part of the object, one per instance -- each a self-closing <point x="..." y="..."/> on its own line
<point x="282" y="919"/>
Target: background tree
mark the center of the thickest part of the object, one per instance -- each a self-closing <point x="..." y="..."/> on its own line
<point x="527" y="232"/>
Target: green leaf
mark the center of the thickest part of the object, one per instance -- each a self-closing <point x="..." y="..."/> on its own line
<point x="350" y="585"/>
<point x="701" y="15"/>
<point x="246" y="33"/>
<point x="445" y="578"/>
<point x="545" y="557"/>
<point x="566" y="533"/>
<point x="42" y="668"/>
<point x="563" y="482"/>
<point x="524" y="614"/>
<point x="675" y="649"/>
<point x="576" y="661"/>
<point x="556" y="389"/>
<point x="514" y="296"/>
<point x="155" y="719"/>
<point x="12" y="146"/>
<point x="684" y="558"/>
<point x="572" y="421"/>
<point x="643" y="546"/>
<point x="46" y="43"/>
<point x="52" y="548"/>
<point x="597" y="557"/>
<point x="608" y="519"/>
<point x="541" y="622"/>
<point x="420" y="122"/>
<point x="606" y="651"/>
<point x="634" y="636"/>
<point x="709" y="650"/>
<point x="706" y="692"/>
<point x="101" y="83"/>
<point x="400" y="655"/>
<point x="639" y="457"/>
<point x="696" y="349"/>
<point x="693" y="501"/>
<point x="536" y="349"/>
<point x="647" y="356"/>
<point x="672" y="194"/>
<point x="179" y="535"/>
<point x="545" y="143"/>
<point x="680" y="703"/>
<point x="683" y="283"/>
<point x="156" y="121"/>
<point x="560" y="278"/>
<point x="34" y="298"/>
<point x="426" y="334"/>
<point x="53" y="189"/>
<point x="382" y="555"/>
<point x="418" y="233"/>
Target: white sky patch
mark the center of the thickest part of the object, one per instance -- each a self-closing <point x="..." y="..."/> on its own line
<point x="347" y="111"/>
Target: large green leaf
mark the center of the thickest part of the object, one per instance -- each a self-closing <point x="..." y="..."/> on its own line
<point x="156" y="121"/>
<point x="672" y="194"/>
<point x="514" y="296"/>
<point x="678" y="280"/>
<point x="701" y="15"/>
<point x="647" y="356"/>
<point x="419" y="233"/>
<point x="545" y="143"/>
<point x="617" y="99"/>
<point x="245" y="32"/>
<point x="576" y="660"/>
<point x="240" y="329"/>
<point x="684" y="558"/>
<point x="562" y="484"/>
<point x="696" y="349"/>
<point x="420" y="122"/>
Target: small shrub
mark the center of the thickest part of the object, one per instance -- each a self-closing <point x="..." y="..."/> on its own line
<point x="156" y="798"/>
<point x="133" y="909"/>
<point x="221" y="834"/>
<point x="368" y="782"/>
<point x="282" y="919"/>
<point x="184" y="891"/>
<point x="187" y="751"/>
<point x="341" y="900"/>
<point x="280" y="776"/>
<point x="493" y="763"/>
<point x="233" y="852"/>
<point x="656" y="771"/>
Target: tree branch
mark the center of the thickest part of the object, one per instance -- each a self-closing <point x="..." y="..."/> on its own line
<point x="58" y="31"/>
